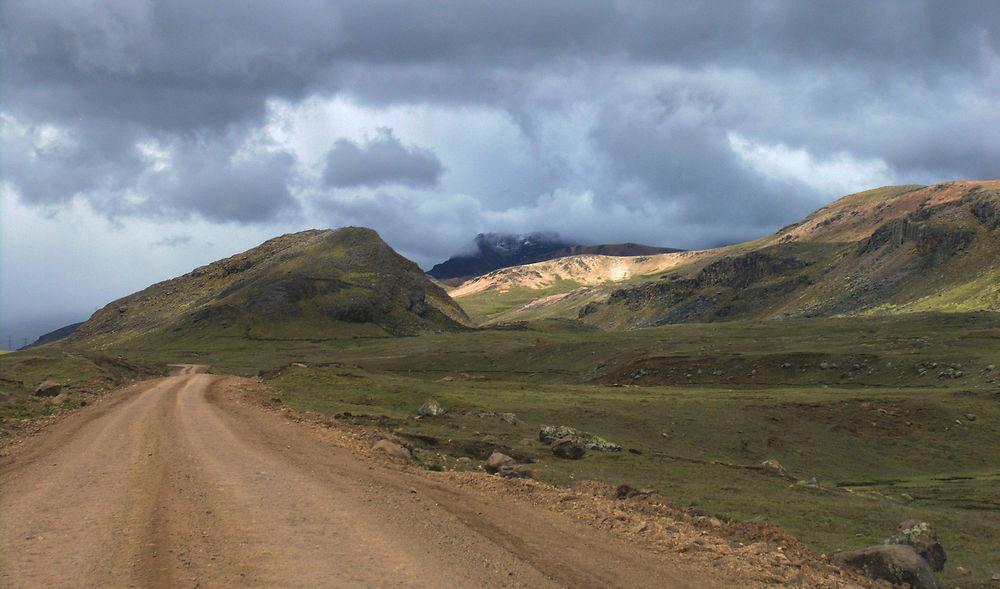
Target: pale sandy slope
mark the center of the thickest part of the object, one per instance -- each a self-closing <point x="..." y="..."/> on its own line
<point x="586" y="270"/>
<point x="173" y="484"/>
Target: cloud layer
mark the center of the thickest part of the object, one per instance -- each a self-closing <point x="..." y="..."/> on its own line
<point x="677" y="124"/>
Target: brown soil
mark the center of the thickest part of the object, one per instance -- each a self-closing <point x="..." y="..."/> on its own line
<point x="188" y="481"/>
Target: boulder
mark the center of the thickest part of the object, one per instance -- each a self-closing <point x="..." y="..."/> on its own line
<point x="551" y="433"/>
<point x="496" y="461"/>
<point x="431" y="408"/>
<point x="48" y="389"/>
<point x="516" y="471"/>
<point x="896" y="563"/>
<point x="391" y="449"/>
<point x="568" y="448"/>
<point x="922" y="537"/>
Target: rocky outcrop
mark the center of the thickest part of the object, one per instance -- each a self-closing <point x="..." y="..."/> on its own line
<point x="935" y="242"/>
<point x="924" y="539"/>
<point x="987" y="210"/>
<point x="749" y="282"/>
<point x="896" y="563"/>
<point x="910" y="555"/>
<point x="550" y="434"/>
<point x="568" y="448"/>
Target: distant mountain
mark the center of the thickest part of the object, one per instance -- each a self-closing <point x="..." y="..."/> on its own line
<point x="55" y="335"/>
<point x="311" y="285"/>
<point x="898" y="249"/>
<point x="495" y="251"/>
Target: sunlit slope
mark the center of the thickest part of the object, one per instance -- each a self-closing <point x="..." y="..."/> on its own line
<point x="310" y="285"/>
<point x="889" y="250"/>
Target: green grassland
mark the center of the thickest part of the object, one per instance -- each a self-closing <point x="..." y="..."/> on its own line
<point x="876" y="419"/>
<point x="82" y="375"/>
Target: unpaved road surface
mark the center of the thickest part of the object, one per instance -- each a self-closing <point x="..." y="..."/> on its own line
<point x="169" y="484"/>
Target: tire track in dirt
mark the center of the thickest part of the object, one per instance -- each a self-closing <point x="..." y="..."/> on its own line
<point x="173" y="485"/>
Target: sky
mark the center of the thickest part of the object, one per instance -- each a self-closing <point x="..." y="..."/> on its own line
<point x="140" y="139"/>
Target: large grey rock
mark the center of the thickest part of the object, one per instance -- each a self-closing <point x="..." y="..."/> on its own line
<point x="568" y="448"/>
<point x="48" y="389"/>
<point x="896" y="563"/>
<point x="496" y="461"/>
<point x="922" y="537"/>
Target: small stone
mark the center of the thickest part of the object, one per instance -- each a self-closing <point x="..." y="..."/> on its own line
<point x="640" y="527"/>
<point x="970" y="416"/>
<point x="995" y="577"/>
<point x="516" y="471"/>
<point x="962" y="571"/>
<point x="496" y="461"/>
<point x="431" y="408"/>
<point x="48" y="388"/>
<point x="773" y="466"/>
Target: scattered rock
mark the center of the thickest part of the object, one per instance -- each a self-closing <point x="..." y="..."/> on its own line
<point x="970" y="416"/>
<point x="772" y="466"/>
<point x="496" y="461"/>
<point x="391" y="449"/>
<point x="431" y="408"/>
<point x="510" y="418"/>
<point x="568" y="448"/>
<point x="922" y="537"/>
<point x="896" y="563"/>
<point x="516" y="471"/>
<point x="552" y="433"/>
<point x="48" y="389"/>
<point x="59" y="399"/>
<point x="995" y="577"/>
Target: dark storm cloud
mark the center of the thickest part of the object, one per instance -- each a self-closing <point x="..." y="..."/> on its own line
<point x="380" y="160"/>
<point x="911" y="83"/>
<point x="223" y="190"/>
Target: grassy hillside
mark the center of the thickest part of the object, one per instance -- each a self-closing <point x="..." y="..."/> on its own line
<point x="892" y="250"/>
<point x="876" y="419"/>
<point x="310" y="285"/>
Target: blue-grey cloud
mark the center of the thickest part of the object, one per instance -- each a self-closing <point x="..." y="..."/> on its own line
<point x="382" y="159"/>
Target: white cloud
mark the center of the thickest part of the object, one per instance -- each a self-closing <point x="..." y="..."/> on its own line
<point x="835" y="175"/>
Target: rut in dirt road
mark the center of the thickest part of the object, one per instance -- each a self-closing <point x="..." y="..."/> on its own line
<point x="171" y="486"/>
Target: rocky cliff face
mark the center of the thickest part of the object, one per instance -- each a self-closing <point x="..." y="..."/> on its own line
<point x="904" y="249"/>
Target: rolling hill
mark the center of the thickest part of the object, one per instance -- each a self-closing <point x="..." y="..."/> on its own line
<point x="889" y="250"/>
<point x="315" y="285"/>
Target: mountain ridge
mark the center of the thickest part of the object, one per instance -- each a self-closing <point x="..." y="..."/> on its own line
<point x="891" y="249"/>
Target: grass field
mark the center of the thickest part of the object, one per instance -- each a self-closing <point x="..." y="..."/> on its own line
<point x="876" y="420"/>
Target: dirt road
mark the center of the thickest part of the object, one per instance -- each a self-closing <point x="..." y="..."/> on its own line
<point x="169" y="484"/>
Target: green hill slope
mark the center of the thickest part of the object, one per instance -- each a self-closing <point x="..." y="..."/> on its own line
<point x="310" y="285"/>
<point x="890" y="250"/>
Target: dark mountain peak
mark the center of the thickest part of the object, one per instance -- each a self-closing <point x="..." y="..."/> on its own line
<point x="503" y="250"/>
<point x="499" y="250"/>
